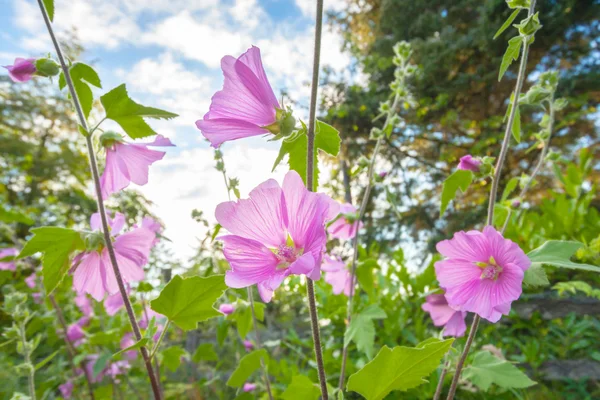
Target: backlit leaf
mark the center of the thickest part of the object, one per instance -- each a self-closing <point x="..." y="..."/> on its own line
<point x="460" y="179"/>
<point x="558" y="253"/>
<point x="487" y="369"/>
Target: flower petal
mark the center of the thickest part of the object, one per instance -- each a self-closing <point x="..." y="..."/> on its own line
<point x="87" y="277"/>
<point x="251" y="262"/>
<point x="219" y="130"/>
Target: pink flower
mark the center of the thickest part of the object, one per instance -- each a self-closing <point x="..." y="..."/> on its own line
<point x="482" y="272"/>
<point x="30" y="281"/>
<point x="128" y="341"/>
<point x="112" y="369"/>
<point x="275" y="233"/>
<point x="469" y="163"/>
<point x="442" y="315"/>
<point x="22" y="70"/>
<point x="75" y="332"/>
<point x="128" y="162"/>
<point x="248" y="387"/>
<point x="66" y="389"/>
<point x="114" y="303"/>
<point x="84" y="303"/>
<point x="345" y="226"/>
<point x="337" y="275"/>
<point x="248" y="345"/>
<point x="93" y="272"/>
<point x="226" y="309"/>
<point x="246" y="106"/>
<point x="5" y="253"/>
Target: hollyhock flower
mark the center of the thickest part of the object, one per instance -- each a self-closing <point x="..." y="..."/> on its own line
<point x="128" y="162"/>
<point x="8" y="265"/>
<point x="83" y="302"/>
<point x="337" y="275"/>
<point x="128" y="341"/>
<point x="346" y="225"/>
<point x="22" y="70"/>
<point x="112" y="369"/>
<point x="75" y="332"/>
<point x="277" y="232"/>
<point x="443" y="315"/>
<point x="482" y="272"/>
<point x="246" y="106"/>
<point x="114" y="303"/>
<point x="154" y="226"/>
<point x="469" y="163"/>
<point x="248" y="387"/>
<point x="30" y="281"/>
<point x="93" y="272"/>
<point x="248" y="345"/>
<point x="226" y="309"/>
<point x="66" y="389"/>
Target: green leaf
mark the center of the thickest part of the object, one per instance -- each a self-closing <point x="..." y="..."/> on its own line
<point x="301" y="388"/>
<point x="536" y="276"/>
<point x="558" y="253"/>
<point x="327" y="139"/>
<point x="205" y="352"/>
<point x="460" y="179"/>
<point x="49" y="6"/>
<point x="248" y="364"/>
<point x="362" y="329"/>
<point x="56" y="245"/>
<point x="171" y="357"/>
<point x="400" y="368"/>
<point x="82" y="76"/>
<point x="188" y="301"/>
<point x="511" y="54"/>
<point x="487" y="369"/>
<point x="140" y="343"/>
<point x="507" y="23"/>
<point x="574" y="287"/>
<point x="516" y="125"/>
<point x="130" y="115"/>
<point x="11" y="216"/>
<point x="243" y="318"/>
<point x="46" y="360"/>
<point x="510" y="187"/>
<point x="100" y="364"/>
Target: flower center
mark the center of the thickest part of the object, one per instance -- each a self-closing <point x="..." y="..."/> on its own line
<point x="287" y="253"/>
<point x="491" y="269"/>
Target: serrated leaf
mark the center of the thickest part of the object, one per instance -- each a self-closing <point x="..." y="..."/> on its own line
<point x="248" y="364"/>
<point x="82" y="76"/>
<point x="507" y="23"/>
<point x="510" y="187"/>
<point x="400" y="368"/>
<point x="536" y="276"/>
<point x="486" y="369"/>
<point x="511" y="54"/>
<point x="362" y="330"/>
<point x="171" y="357"/>
<point x="46" y="360"/>
<point x="130" y="115"/>
<point x="140" y="343"/>
<point x="185" y="302"/>
<point x="205" y="352"/>
<point x="327" y="139"/>
<point x="49" y="6"/>
<point x="460" y="179"/>
<point x="56" y="245"/>
<point x="558" y="253"/>
<point x="301" y="388"/>
<point x="516" y="125"/>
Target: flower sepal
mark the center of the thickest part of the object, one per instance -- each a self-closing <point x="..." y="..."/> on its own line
<point x="108" y="139"/>
<point x="284" y="125"/>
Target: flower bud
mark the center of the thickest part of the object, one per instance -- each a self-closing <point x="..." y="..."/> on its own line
<point x="108" y="139"/>
<point x="22" y="70"/>
<point x="530" y="25"/>
<point x="469" y="163"/>
<point x="47" y="67"/>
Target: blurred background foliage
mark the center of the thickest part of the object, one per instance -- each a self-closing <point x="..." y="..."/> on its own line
<point x="459" y="110"/>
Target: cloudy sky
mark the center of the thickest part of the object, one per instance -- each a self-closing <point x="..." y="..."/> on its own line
<point x="168" y="53"/>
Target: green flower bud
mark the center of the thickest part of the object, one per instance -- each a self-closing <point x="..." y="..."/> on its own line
<point x="530" y="25"/>
<point x="46" y="67"/>
<point x="107" y="139"/>
<point x="523" y="4"/>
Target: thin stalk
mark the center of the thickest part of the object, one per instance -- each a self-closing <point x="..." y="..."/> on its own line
<point x="259" y="344"/>
<point x="494" y="193"/>
<point x="361" y="214"/>
<point x="160" y="338"/>
<point x="101" y="208"/>
<point x="310" y="184"/>
<point x="27" y="355"/>
<point x="440" y="385"/>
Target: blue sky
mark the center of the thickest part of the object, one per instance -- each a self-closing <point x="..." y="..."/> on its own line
<point x="168" y="54"/>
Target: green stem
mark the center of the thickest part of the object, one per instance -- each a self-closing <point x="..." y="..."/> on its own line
<point x="160" y="338"/>
<point x="259" y="343"/>
<point x="27" y="355"/>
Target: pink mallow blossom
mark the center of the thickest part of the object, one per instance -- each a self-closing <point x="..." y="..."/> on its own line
<point x="443" y="315"/>
<point x="482" y="272"/>
<point x="346" y="225"/>
<point x="66" y="389"/>
<point x="75" y="332"/>
<point x="248" y="345"/>
<point x="30" y="281"/>
<point x="93" y="271"/>
<point x="226" y="309"/>
<point x="5" y="253"/>
<point x="246" y="106"/>
<point x="248" y="387"/>
<point x="83" y="302"/>
<point x="277" y="232"/>
<point x="337" y="275"/>
<point x="128" y="341"/>
<point x="114" y="302"/>
<point x="128" y="162"/>
<point x="22" y="70"/>
<point x="469" y="163"/>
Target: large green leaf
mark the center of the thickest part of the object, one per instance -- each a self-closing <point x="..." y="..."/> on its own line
<point x="189" y="301"/>
<point x="301" y="388"/>
<point x="205" y="352"/>
<point x="536" y="276"/>
<point x="400" y="368"/>
<point x="56" y="245"/>
<point x="82" y="76"/>
<point x="130" y="115"/>
<point x="327" y="139"/>
<point x="558" y="253"/>
<point x="248" y="364"/>
<point x="460" y="179"/>
<point x="487" y="369"/>
<point x="511" y="54"/>
<point x="362" y="329"/>
<point x="171" y="357"/>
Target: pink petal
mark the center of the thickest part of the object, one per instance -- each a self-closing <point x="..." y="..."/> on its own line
<point x="113" y="303"/>
<point x="137" y="158"/>
<point x="251" y="262"/>
<point x="132" y="251"/>
<point x="456" y="325"/>
<point x="303" y="265"/>
<point x="116" y="224"/>
<point x="471" y="246"/>
<point x="252" y="59"/>
<point x="452" y="273"/>
<point x="87" y="277"/>
<point x="160" y="141"/>
<point x="505" y="251"/>
<point x="219" y="130"/>
<point x="115" y="176"/>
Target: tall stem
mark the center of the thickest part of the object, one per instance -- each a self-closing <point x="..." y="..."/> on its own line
<point x="27" y="355"/>
<point x="101" y="209"/>
<point x="494" y="191"/>
<point x="361" y="214"/>
<point x="259" y="343"/>
<point x="440" y="385"/>
<point x="310" y="184"/>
